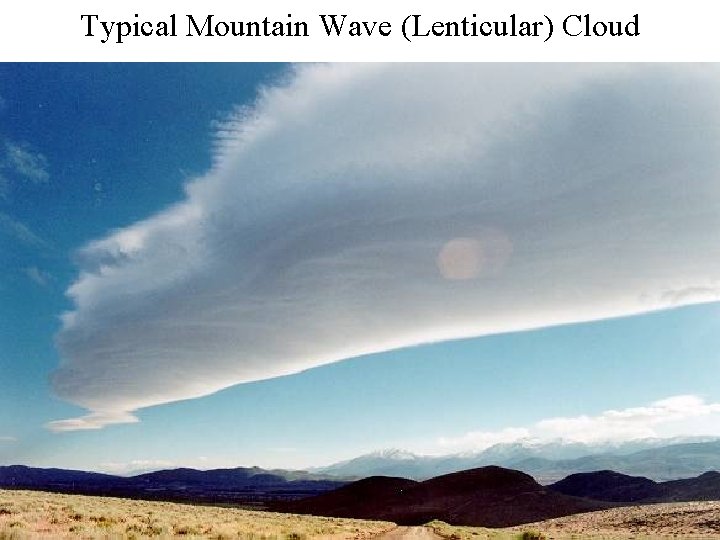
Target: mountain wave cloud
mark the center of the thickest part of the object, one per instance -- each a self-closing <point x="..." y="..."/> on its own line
<point x="356" y="208"/>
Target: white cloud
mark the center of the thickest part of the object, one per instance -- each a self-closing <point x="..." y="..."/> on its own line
<point x="360" y="208"/>
<point x="95" y="420"/>
<point x="136" y="466"/>
<point x="25" y="162"/>
<point x="670" y="417"/>
<point x="8" y="439"/>
<point x="632" y="423"/>
<point x="474" y="440"/>
<point x="20" y="162"/>
<point x="139" y="466"/>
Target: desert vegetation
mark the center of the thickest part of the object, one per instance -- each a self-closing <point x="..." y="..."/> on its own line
<point x="687" y="520"/>
<point x="451" y="532"/>
<point x="33" y="514"/>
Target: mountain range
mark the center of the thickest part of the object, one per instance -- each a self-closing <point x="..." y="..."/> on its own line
<point x="657" y="459"/>
<point x="489" y="496"/>
<point x="240" y="485"/>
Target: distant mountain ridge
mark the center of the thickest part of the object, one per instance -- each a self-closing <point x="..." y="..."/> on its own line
<point x="659" y="459"/>
<point x="652" y="461"/>
<point x="241" y="484"/>
<point x="489" y="496"/>
<point x="664" y="463"/>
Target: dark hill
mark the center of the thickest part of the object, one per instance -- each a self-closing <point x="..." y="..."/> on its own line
<point x="358" y="498"/>
<point x="217" y="478"/>
<point x="705" y="487"/>
<point x="608" y="486"/>
<point x="488" y="496"/>
<point x="616" y="487"/>
<point x="490" y="478"/>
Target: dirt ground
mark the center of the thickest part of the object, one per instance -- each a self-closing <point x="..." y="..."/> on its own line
<point x="691" y="519"/>
<point x="410" y="533"/>
<point x="694" y="520"/>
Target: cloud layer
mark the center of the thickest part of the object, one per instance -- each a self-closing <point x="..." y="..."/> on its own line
<point x="664" y="418"/>
<point x="360" y="208"/>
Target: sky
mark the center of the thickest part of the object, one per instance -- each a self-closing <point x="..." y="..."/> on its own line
<point x="244" y="264"/>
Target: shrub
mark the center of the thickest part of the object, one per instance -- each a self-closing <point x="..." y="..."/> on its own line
<point x="183" y="530"/>
<point x="12" y="535"/>
<point x="532" y="535"/>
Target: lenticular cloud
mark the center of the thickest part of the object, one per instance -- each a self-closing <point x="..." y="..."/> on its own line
<point x="356" y="209"/>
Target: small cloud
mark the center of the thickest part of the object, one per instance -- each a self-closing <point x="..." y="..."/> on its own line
<point x="136" y="466"/>
<point x="20" y="231"/>
<point x="95" y="420"/>
<point x="690" y="295"/>
<point x="139" y="466"/>
<point x="627" y="424"/>
<point x="485" y="439"/>
<point x="7" y="439"/>
<point x="662" y="418"/>
<point x="30" y="165"/>
<point x="38" y="276"/>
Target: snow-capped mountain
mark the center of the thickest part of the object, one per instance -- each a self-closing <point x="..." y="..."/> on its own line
<point x="661" y="459"/>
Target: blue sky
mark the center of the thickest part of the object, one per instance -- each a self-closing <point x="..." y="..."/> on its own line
<point x="147" y="377"/>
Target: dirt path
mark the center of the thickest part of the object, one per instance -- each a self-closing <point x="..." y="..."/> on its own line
<point x="410" y="533"/>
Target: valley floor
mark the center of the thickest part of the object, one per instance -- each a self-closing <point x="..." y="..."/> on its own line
<point x="32" y="514"/>
<point x="36" y="514"/>
<point x="687" y="520"/>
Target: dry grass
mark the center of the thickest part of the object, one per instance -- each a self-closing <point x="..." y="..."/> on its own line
<point x="34" y="514"/>
<point x="31" y="514"/>
<point x="696" y="520"/>
<point x="451" y="532"/>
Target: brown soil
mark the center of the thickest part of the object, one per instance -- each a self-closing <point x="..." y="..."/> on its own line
<point x="689" y="520"/>
<point x="410" y="533"/>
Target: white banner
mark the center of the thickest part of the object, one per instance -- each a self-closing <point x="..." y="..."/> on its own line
<point x="316" y="30"/>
